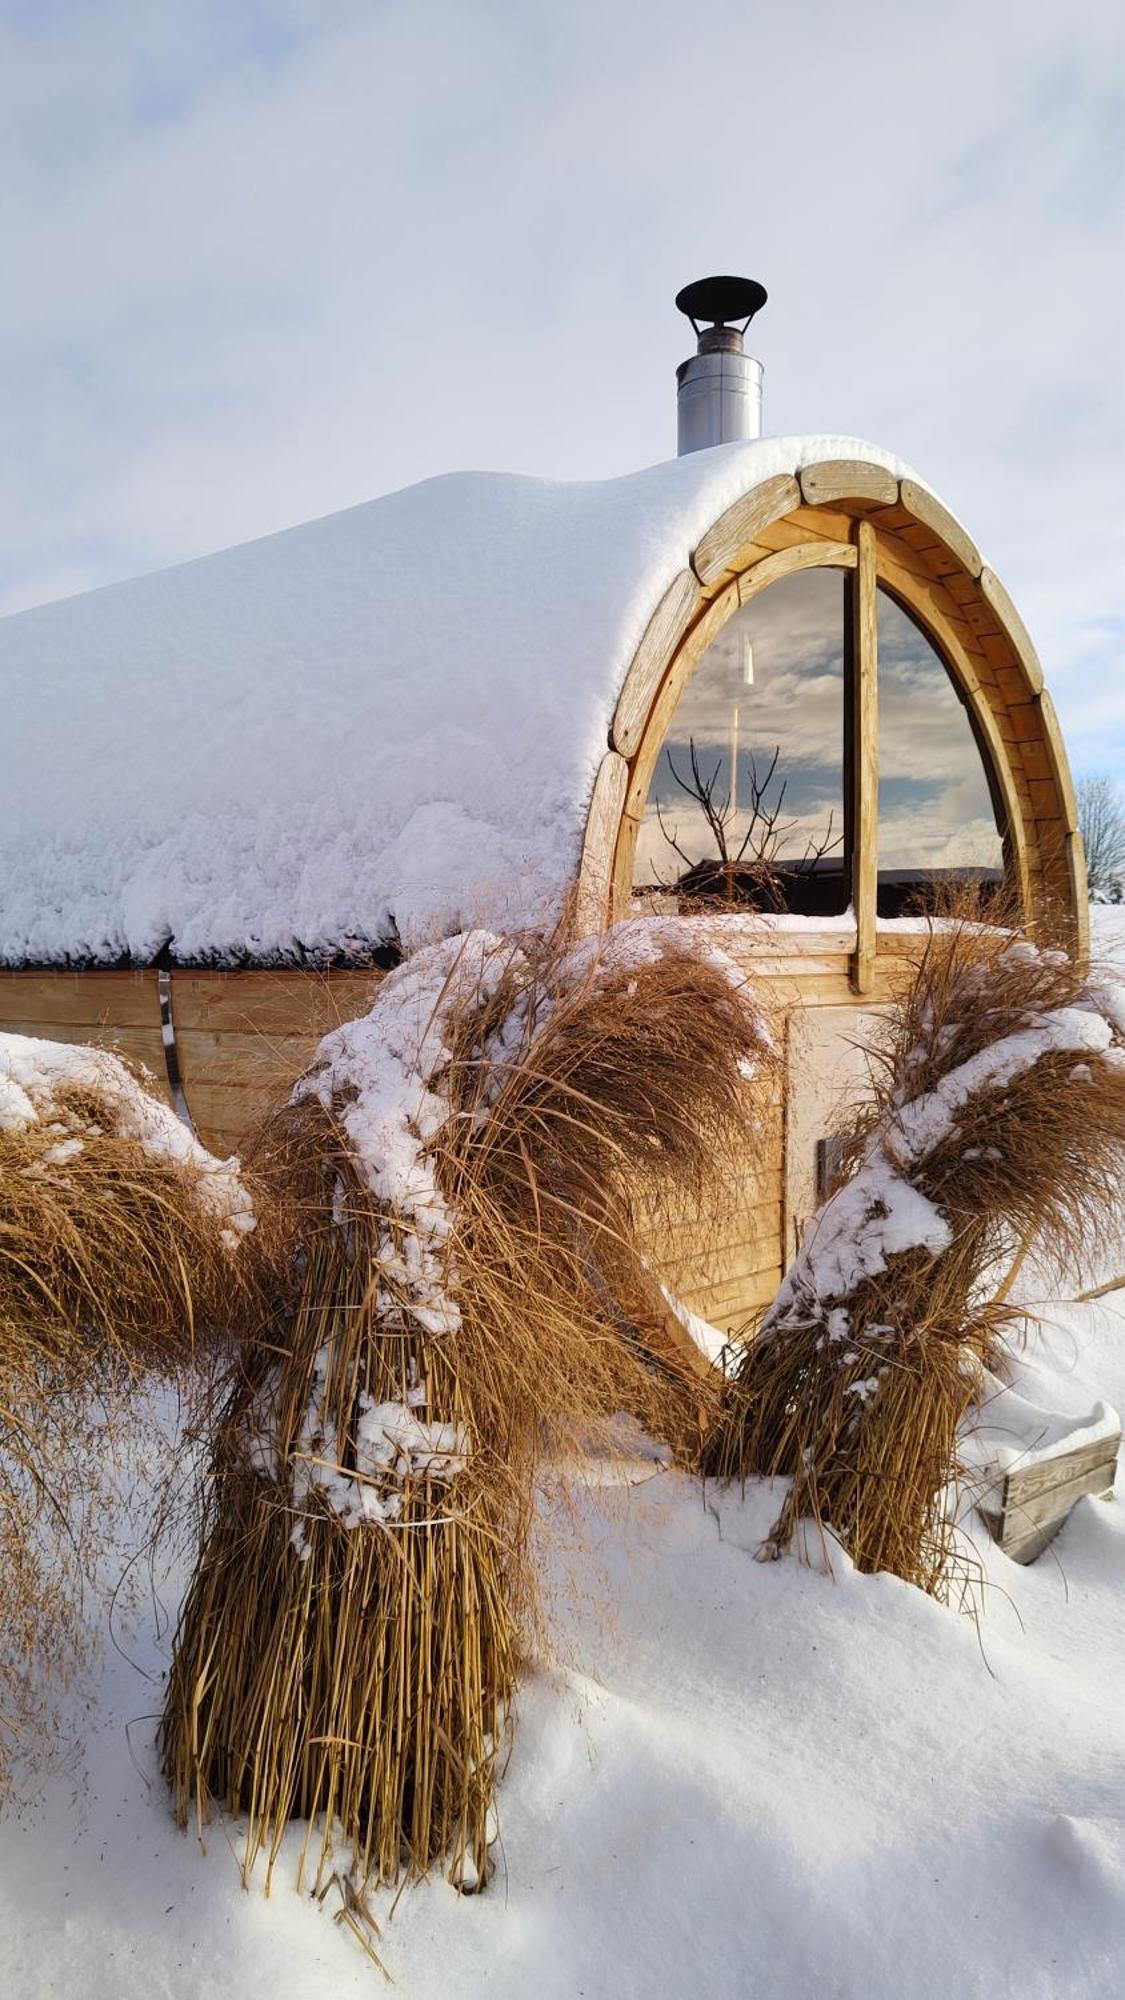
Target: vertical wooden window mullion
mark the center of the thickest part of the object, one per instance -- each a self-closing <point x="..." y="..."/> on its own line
<point x="862" y="749"/>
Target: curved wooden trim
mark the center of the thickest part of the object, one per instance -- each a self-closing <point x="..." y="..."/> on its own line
<point x="595" y="872"/>
<point x="934" y="516"/>
<point x="619" y="862"/>
<point x="1013" y="628"/>
<point x="728" y="544"/>
<point x="684" y="663"/>
<point x="681" y="602"/>
<point x="997" y="671"/>
<point x="847" y="479"/>
<point x="785" y="562"/>
<point x="1060" y="768"/>
<point x="1075" y="853"/>
<point x="1080" y="890"/>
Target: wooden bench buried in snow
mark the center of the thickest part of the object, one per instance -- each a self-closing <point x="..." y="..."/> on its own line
<point x="1030" y="1501"/>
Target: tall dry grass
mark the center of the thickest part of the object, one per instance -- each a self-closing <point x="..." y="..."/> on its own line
<point x="115" y="1261"/>
<point x="349" y="1648"/>
<point x="997" y="1121"/>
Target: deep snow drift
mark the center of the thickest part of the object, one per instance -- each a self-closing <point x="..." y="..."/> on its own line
<point x="741" y="1779"/>
<point x="737" y="1779"/>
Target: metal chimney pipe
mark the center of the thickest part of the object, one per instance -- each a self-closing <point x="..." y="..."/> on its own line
<point x="719" y="389"/>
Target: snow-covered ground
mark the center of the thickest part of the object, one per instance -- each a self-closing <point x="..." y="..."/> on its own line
<point x="736" y="1780"/>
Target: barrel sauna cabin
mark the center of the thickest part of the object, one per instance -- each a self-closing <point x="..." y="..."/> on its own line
<point x="773" y="676"/>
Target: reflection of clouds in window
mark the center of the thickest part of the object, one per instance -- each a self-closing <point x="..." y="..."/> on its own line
<point x="772" y="679"/>
<point x="935" y="809"/>
<point x="916" y="837"/>
<point x="801" y="712"/>
<point x="795" y="632"/>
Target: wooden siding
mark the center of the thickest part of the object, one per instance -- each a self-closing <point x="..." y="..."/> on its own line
<point x="727" y="1265"/>
<point x="242" y="1038"/>
<point x="110" y="1010"/>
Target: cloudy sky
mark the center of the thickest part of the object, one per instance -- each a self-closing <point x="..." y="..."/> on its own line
<point x="266" y="258"/>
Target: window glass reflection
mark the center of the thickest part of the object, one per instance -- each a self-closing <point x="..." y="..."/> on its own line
<point x="937" y="822"/>
<point x="746" y="803"/>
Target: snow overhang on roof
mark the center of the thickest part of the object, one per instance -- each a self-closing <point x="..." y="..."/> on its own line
<point x="383" y="722"/>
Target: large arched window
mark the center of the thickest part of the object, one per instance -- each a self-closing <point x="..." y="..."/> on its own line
<point x="818" y="696"/>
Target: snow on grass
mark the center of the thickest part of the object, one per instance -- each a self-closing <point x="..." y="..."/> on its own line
<point x="384" y="1076"/>
<point x="40" y="1082"/>
<point x="737" y="1779"/>
<point x="878" y="1213"/>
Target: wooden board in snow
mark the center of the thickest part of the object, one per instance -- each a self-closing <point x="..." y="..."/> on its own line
<point x="1036" y="1497"/>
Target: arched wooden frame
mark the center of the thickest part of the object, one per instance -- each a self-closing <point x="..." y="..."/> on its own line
<point x="856" y="516"/>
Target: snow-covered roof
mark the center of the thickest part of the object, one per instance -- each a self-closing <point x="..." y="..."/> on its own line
<point x="388" y="719"/>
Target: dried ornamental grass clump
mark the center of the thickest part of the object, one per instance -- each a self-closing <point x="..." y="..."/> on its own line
<point x="998" y="1121"/>
<point x="117" y="1228"/>
<point x="464" y="1167"/>
<point x="122" y="1249"/>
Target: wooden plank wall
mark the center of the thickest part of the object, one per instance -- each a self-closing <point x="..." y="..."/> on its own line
<point x="242" y="1038"/>
<point x="727" y="1266"/>
<point x="110" y="1010"/>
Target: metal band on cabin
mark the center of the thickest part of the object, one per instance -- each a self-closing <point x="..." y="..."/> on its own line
<point x="171" y="1058"/>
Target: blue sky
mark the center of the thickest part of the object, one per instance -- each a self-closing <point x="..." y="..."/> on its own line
<point x="267" y="258"/>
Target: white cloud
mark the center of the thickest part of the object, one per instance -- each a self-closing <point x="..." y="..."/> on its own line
<point x="263" y="260"/>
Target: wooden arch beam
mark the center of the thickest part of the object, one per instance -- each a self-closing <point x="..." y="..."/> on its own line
<point x="928" y="560"/>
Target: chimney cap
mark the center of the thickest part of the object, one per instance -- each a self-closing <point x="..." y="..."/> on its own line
<point x="720" y="301"/>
